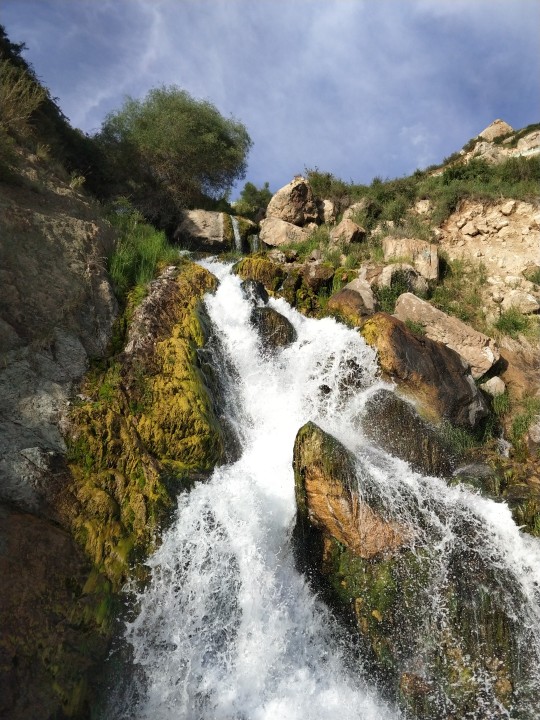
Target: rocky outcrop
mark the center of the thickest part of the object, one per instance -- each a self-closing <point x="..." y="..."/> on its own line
<point x="422" y="255"/>
<point x="497" y="129"/>
<point x="274" y="329"/>
<point x="431" y="656"/>
<point x="294" y="203"/>
<point x="57" y="310"/>
<point x="479" y="350"/>
<point x="275" y="232"/>
<point x="434" y="376"/>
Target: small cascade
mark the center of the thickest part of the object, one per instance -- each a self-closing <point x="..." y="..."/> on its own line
<point x="227" y="628"/>
<point x="236" y="231"/>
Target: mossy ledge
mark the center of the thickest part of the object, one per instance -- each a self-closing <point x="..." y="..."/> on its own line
<point x="146" y="428"/>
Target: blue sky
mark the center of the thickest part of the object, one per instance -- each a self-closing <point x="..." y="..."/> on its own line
<point x="356" y="87"/>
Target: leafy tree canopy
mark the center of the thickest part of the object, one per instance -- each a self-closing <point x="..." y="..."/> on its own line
<point x="170" y="151"/>
<point x="253" y="199"/>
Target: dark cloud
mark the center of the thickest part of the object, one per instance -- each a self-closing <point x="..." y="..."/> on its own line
<point x="359" y="88"/>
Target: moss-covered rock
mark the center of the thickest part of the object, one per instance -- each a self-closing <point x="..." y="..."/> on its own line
<point x="149" y="426"/>
<point x="437" y="632"/>
<point x="259" y="267"/>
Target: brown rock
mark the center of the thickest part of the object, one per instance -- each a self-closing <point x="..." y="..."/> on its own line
<point x="274" y="329"/>
<point x="203" y="230"/>
<point x="347" y="232"/>
<point x="435" y="376"/>
<point x="294" y="203"/>
<point x="479" y="350"/>
<point x="276" y="232"/>
<point x="327" y="497"/>
<point x="348" y="305"/>
<point x="317" y="276"/>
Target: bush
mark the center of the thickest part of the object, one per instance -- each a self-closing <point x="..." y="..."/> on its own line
<point x="169" y="151"/>
<point x="512" y="322"/>
<point x="387" y="296"/>
<point x="20" y="96"/>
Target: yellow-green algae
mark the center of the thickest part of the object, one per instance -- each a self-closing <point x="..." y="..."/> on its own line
<point x="149" y="427"/>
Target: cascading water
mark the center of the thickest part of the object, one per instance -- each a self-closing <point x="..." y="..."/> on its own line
<point x="227" y="628"/>
<point x="237" y="236"/>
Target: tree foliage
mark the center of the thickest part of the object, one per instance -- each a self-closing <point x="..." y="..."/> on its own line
<point x="253" y="199"/>
<point x="169" y="151"/>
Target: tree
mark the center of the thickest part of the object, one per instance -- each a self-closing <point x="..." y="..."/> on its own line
<point x="253" y="199"/>
<point x="169" y="151"/>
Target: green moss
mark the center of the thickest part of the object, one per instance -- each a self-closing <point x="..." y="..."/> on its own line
<point x="258" y="267"/>
<point x="150" y="421"/>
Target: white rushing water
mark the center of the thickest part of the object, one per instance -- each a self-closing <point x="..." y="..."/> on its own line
<point x="227" y="628"/>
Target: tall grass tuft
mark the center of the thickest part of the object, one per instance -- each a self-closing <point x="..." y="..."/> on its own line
<point x="140" y="251"/>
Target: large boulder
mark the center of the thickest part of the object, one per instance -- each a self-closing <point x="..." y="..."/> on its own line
<point x="433" y="375"/>
<point x="294" y="203"/>
<point x="317" y="276"/>
<point x="205" y="230"/>
<point x="327" y="498"/>
<point x="353" y="303"/>
<point x="276" y="232"/>
<point x="422" y="255"/>
<point x="479" y="350"/>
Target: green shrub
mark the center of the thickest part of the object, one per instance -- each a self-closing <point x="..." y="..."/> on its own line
<point x="512" y="322"/>
<point x="387" y="296"/>
<point x="20" y="96"/>
<point x="415" y="327"/>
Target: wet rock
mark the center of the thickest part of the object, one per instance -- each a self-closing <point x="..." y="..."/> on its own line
<point x="435" y="376"/>
<point x="254" y="291"/>
<point x="294" y="203"/>
<point x="261" y="269"/>
<point x="274" y="329"/>
<point x="395" y="425"/>
<point x="479" y="350"/>
<point x="327" y="498"/>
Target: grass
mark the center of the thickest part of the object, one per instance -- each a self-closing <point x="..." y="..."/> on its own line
<point x="460" y="292"/>
<point x="415" y="327"/>
<point x="512" y="322"/>
<point x="139" y="252"/>
<point x="387" y="296"/>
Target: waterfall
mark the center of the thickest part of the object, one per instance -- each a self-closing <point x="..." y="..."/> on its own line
<point x="227" y="628"/>
<point x="236" y="231"/>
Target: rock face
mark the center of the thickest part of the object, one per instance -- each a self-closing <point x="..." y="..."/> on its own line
<point x="427" y="371"/>
<point x="294" y="203"/>
<point x="275" y="232"/>
<point x="57" y="311"/>
<point x="504" y="237"/>
<point x="479" y="350"/>
<point x="327" y="498"/>
<point x="422" y="255"/>
<point x="205" y="230"/>
<point x="431" y="656"/>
